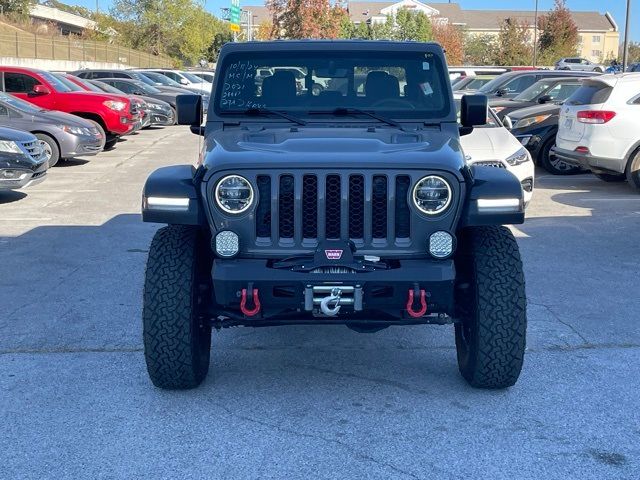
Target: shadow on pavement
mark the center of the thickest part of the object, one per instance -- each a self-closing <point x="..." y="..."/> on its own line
<point x="9" y="196"/>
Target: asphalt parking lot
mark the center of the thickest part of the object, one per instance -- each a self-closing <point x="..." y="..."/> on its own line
<point x="307" y="402"/>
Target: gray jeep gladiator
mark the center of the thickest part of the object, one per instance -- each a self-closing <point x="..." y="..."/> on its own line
<point x="347" y="205"/>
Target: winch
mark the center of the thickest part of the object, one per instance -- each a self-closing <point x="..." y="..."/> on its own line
<point x="329" y="299"/>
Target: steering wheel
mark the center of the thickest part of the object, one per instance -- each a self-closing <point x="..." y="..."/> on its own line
<point x="390" y="102"/>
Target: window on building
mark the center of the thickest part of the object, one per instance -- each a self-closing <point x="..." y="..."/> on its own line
<point x="596" y="53"/>
<point x="595" y="39"/>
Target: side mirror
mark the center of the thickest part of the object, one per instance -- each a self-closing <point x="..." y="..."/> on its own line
<point x="506" y="121"/>
<point x="545" y="99"/>
<point x="473" y="112"/>
<point x="501" y="92"/>
<point x="189" y="108"/>
<point x="41" y="90"/>
<point x="184" y="81"/>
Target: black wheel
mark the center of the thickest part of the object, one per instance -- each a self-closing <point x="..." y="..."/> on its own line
<point x="175" y="115"/>
<point x="316" y="89"/>
<point x="611" y="177"/>
<point x="490" y="294"/>
<point x="177" y="342"/>
<point x="50" y="147"/>
<point x="553" y="164"/>
<point x="633" y="170"/>
<point x="111" y="142"/>
<point x="598" y="70"/>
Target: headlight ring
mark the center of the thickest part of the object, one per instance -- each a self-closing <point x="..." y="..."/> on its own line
<point x="234" y="194"/>
<point x="432" y="195"/>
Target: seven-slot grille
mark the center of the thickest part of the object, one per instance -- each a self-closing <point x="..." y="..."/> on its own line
<point x="370" y="209"/>
<point x="491" y="163"/>
<point x="33" y="148"/>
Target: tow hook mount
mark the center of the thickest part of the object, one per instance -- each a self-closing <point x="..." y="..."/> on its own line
<point x="253" y="295"/>
<point x="417" y="293"/>
<point x="329" y="299"/>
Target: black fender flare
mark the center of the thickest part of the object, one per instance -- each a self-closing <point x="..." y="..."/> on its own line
<point x="495" y="197"/>
<point x="171" y="195"/>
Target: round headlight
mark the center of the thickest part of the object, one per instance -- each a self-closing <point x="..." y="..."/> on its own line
<point x="234" y="194"/>
<point x="432" y="195"/>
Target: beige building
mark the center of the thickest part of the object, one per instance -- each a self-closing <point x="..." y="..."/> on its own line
<point x="599" y="36"/>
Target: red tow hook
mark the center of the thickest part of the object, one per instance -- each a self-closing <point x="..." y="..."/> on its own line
<point x="423" y="303"/>
<point x="256" y="303"/>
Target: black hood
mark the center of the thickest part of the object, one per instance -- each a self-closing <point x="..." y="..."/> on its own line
<point x="314" y="147"/>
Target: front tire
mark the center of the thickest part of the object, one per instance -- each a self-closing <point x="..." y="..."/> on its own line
<point x="177" y="342"/>
<point x="50" y="147"/>
<point x="110" y="142"/>
<point x="490" y="338"/>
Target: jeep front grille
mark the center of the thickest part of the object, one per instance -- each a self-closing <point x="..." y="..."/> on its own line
<point x="490" y="163"/>
<point x="369" y="209"/>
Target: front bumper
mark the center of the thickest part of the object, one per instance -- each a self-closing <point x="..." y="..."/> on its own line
<point x="29" y="178"/>
<point x="81" y="145"/>
<point x="162" y="118"/>
<point x="591" y="162"/>
<point x="282" y="291"/>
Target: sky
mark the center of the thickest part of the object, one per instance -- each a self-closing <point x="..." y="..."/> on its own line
<point x="615" y="7"/>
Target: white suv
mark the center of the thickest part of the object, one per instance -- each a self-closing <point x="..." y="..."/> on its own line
<point x="599" y="127"/>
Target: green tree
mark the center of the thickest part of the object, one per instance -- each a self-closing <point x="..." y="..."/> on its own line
<point x="513" y="45"/>
<point x="412" y="26"/>
<point x="479" y="49"/>
<point x="181" y="29"/>
<point x="15" y="7"/>
<point x="558" y="34"/>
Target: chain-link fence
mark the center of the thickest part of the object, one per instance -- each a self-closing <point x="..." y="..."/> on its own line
<point x="27" y="45"/>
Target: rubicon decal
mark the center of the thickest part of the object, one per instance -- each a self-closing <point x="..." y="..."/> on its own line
<point x="333" y="254"/>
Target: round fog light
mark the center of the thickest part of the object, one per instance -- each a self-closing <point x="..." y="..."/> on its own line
<point x="441" y="244"/>
<point x="227" y="244"/>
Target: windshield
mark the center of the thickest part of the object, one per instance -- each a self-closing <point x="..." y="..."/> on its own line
<point x="72" y="86"/>
<point x="192" y="78"/>
<point x="107" y="88"/>
<point x="477" y="83"/>
<point x="18" y="104"/>
<point x="394" y="84"/>
<point x="495" y="84"/>
<point x="56" y="83"/>
<point x="146" y="88"/>
<point x="159" y="79"/>
<point x="534" y="91"/>
<point x="90" y="85"/>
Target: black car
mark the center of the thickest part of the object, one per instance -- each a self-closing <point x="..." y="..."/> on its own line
<point x="352" y="207"/>
<point x="22" y="159"/>
<point x="510" y="84"/>
<point x="536" y="128"/>
<point x="543" y="91"/>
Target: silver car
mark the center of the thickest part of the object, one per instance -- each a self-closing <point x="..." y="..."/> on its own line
<point x="61" y="135"/>
<point x="22" y="161"/>
<point x="578" y="64"/>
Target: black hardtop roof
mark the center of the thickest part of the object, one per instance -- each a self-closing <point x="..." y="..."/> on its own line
<point x="328" y="45"/>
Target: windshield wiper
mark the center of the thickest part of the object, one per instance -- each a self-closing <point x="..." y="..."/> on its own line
<point x="357" y="111"/>
<point x="267" y="111"/>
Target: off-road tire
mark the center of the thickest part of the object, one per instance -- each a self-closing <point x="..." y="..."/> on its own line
<point x="492" y="308"/>
<point x="52" y="146"/>
<point x="611" y="177"/>
<point x="557" y="167"/>
<point x="633" y="170"/>
<point x="177" y="342"/>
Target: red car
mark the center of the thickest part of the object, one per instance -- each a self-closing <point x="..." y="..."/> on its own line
<point x="116" y="115"/>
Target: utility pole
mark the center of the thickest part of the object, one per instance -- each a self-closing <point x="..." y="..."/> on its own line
<point x="625" y="48"/>
<point x="535" y="36"/>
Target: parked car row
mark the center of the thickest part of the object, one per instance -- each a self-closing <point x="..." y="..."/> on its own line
<point x="571" y="119"/>
<point x="53" y="116"/>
